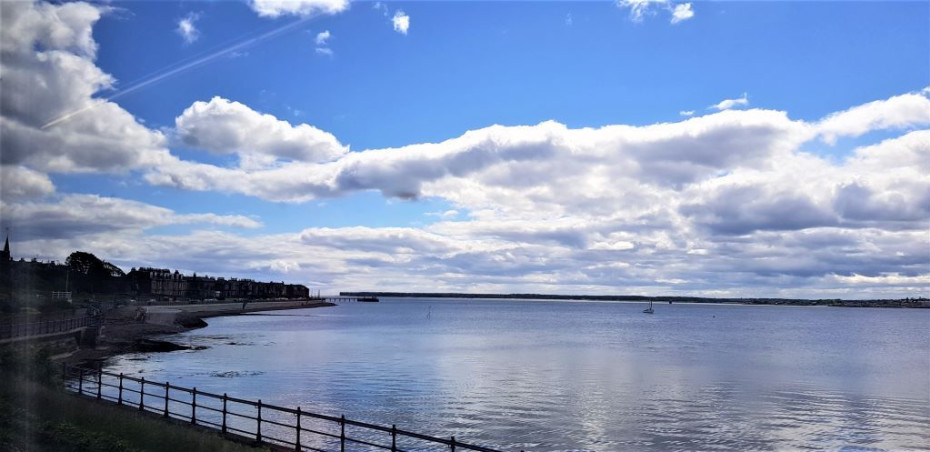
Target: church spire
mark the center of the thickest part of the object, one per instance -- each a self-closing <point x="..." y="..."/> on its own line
<point x="5" y="256"/>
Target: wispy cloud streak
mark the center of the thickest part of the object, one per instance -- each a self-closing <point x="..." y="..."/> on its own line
<point x="167" y="72"/>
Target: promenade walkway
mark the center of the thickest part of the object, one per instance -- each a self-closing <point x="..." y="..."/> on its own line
<point x="167" y="314"/>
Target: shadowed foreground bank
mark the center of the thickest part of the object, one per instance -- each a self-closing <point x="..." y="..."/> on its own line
<point x="37" y="417"/>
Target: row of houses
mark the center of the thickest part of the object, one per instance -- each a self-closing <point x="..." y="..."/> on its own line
<point x="163" y="284"/>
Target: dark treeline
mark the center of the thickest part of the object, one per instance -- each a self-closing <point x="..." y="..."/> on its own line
<point x="904" y="302"/>
<point x="32" y="284"/>
<point x="51" y="286"/>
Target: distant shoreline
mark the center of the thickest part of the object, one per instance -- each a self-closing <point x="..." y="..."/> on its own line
<point x="876" y="303"/>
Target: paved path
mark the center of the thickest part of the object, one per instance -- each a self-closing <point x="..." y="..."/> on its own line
<point x="166" y="314"/>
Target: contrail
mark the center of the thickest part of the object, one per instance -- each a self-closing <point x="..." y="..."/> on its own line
<point x="161" y="76"/>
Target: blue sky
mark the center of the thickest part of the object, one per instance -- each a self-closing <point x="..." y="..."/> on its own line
<point x="645" y="146"/>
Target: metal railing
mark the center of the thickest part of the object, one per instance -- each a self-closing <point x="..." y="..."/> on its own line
<point x="252" y="420"/>
<point x="19" y="330"/>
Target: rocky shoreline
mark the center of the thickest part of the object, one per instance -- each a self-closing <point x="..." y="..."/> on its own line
<point x="124" y="332"/>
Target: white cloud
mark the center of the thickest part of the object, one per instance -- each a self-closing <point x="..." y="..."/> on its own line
<point x="568" y="20"/>
<point x="727" y="203"/>
<point x="62" y="27"/>
<point x="906" y="110"/>
<point x="19" y="182"/>
<point x="277" y="8"/>
<point x="885" y="278"/>
<point x="639" y="9"/>
<point x="686" y="113"/>
<point x="322" y="37"/>
<point x="75" y="215"/>
<point x="187" y="29"/>
<point x="49" y="77"/>
<point x="727" y="104"/>
<point x="284" y="266"/>
<point x="321" y="40"/>
<point x="222" y="126"/>
<point x="664" y="154"/>
<point x="401" y="22"/>
<point x="682" y="12"/>
<point x="725" y="200"/>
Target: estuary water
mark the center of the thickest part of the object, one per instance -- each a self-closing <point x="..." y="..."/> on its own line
<point x="573" y="375"/>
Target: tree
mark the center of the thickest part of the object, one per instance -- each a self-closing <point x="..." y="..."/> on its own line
<point x="90" y="265"/>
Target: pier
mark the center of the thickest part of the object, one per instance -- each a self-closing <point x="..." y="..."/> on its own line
<point x="348" y="299"/>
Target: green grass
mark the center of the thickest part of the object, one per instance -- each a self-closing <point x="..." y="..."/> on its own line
<point x="39" y="417"/>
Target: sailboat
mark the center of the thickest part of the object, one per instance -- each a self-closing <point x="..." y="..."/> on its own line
<point x="648" y="310"/>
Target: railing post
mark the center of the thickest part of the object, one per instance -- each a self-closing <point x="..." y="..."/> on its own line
<point x="258" y="428"/>
<point x="167" y="397"/>
<point x="224" y="413"/>
<point x="99" y="383"/>
<point x="393" y="437"/>
<point x="194" y="406"/>
<point x="119" y="401"/>
<point x="297" y="429"/>
<point x="453" y="444"/>
<point x="142" y="395"/>
<point x="342" y="434"/>
<point x="81" y="381"/>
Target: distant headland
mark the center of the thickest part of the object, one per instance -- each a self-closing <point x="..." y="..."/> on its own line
<point x="878" y="303"/>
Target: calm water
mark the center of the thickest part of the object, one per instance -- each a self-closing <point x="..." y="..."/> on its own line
<point x="553" y="376"/>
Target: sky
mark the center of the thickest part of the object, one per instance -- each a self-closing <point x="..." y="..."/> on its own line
<point x="732" y="149"/>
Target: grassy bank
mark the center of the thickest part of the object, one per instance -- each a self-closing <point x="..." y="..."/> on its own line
<point x="35" y="415"/>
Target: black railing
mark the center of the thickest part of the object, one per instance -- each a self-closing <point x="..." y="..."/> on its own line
<point x="21" y="330"/>
<point x="252" y="420"/>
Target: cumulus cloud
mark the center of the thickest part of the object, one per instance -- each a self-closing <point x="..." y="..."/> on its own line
<point x="75" y="215"/>
<point x="52" y="120"/>
<point x="728" y="203"/>
<point x="222" y="126"/>
<point x="322" y="37"/>
<point x="886" y="185"/>
<point x="694" y="203"/>
<point x="727" y="104"/>
<point x="526" y="156"/>
<point x="681" y="12"/>
<point x="18" y="182"/>
<point x="401" y="22"/>
<point x="639" y="9"/>
<point x="321" y="40"/>
<point x="906" y="110"/>
<point x="187" y="29"/>
<point x="277" y="8"/>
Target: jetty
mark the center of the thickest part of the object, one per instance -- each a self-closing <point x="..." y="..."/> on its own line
<point x="345" y="299"/>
